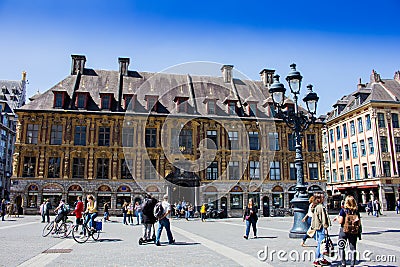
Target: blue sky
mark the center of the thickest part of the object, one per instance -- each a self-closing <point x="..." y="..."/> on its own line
<point x="334" y="44"/>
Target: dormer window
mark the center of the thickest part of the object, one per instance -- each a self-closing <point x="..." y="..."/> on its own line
<point x="151" y="102"/>
<point x="129" y="102"/>
<point x="59" y="99"/>
<point x="252" y="109"/>
<point x="106" y="101"/>
<point x="211" y="107"/>
<point x="232" y="107"/>
<point x="81" y="100"/>
<point x="181" y="103"/>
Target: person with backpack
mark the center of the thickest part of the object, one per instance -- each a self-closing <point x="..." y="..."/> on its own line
<point x="61" y="211"/>
<point x="148" y="217"/>
<point x="161" y="212"/>
<point x="350" y="229"/>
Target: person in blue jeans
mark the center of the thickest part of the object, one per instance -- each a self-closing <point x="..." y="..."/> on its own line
<point x="164" y="222"/>
<point x="398" y="206"/>
<point x="250" y="215"/>
<point x="320" y="223"/>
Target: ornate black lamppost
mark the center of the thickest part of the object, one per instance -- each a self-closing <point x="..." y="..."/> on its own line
<point x="298" y="121"/>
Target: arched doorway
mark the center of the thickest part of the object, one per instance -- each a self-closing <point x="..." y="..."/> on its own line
<point x="277" y="197"/>
<point x="73" y="192"/>
<point x="103" y="196"/>
<point x="124" y="193"/>
<point x="210" y="197"/>
<point x="33" y="191"/>
<point x="224" y="206"/>
<point x="266" y="206"/>
<point x="53" y="192"/>
<point x="19" y="201"/>
<point x="292" y="192"/>
<point x="183" y="186"/>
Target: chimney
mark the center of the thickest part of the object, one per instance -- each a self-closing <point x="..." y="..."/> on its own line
<point x="123" y="65"/>
<point x="266" y="76"/>
<point x="24" y="76"/>
<point x="78" y="64"/>
<point x="397" y="76"/>
<point x="375" y="77"/>
<point x="227" y="73"/>
<point x="360" y="85"/>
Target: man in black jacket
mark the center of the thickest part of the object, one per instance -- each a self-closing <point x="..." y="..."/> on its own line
<point x="148" y="217"/>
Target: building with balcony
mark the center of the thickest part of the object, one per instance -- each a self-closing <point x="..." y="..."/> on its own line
<point x="118" y="134"/>
<point x="363" y="134"/>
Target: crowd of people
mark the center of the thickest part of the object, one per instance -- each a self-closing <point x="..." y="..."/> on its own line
<point x="151" y="212"/>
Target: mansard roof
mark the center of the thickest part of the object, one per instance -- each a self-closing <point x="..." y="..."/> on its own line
<point x="377" y="90"/>
<point x="167" y="86"/>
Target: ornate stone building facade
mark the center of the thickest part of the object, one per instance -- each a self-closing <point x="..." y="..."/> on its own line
<point x="363" y="133"/>
<point x="118" y="134"/>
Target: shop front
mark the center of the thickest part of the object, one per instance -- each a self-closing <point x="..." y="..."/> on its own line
<point x="73" y="192"/>
<point x="103" y="196"/>
<point x="54" y="193"/>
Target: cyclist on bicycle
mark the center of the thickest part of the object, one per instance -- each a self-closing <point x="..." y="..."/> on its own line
<point x="78" y="211"/>
<point x="61" y="214"/>
<point x="91" y="211"/>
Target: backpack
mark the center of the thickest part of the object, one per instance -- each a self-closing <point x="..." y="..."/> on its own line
<point x="158" y="210"/>
<point x="66" y="209"/>
<point x="352" y="223"/>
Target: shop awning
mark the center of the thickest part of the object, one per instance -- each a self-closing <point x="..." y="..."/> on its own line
<point x="367" y="186"/>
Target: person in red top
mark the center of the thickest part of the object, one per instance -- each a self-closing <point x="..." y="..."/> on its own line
<point x="78" y="211"/>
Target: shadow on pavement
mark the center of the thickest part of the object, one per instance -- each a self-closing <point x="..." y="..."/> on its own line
<point x="110" y="240"/>
<point x="264" y="237"/>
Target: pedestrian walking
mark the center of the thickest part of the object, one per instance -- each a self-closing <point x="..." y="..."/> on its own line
<point x="370" y="209"/>
<point x="106" y="212"/>
<point x="41" y="211"/>
<point x="139" y="214"/>
<point x="124" y="212"/>
<point x="3" y="209"/>
<point x="350" y="229"/>
<point x="148" y="217"/>
<point x="377" y="208"/>
<point x="251" y="218"/>
<point x="203" y="212"/>
<point x="163" y="221"/>
<point x="307" y="219"/>
<point x="15" y="210"/>
<point x="398" y="206"/>
<point x="10" y="210"/>
<point x="48" y="207"/>
<point x="320" y="222"/>
<point x="129" y="214"/>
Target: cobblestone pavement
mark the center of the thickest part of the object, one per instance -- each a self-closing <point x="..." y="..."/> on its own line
<point x="211" y="243"/>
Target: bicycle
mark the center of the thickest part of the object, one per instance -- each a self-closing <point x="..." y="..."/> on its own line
<point x="83" y="235"/>
<point x="62" y="228"/>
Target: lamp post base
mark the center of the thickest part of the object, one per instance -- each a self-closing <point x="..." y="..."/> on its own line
<point x="300" y="203"/>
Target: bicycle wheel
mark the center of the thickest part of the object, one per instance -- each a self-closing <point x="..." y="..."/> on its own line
<point x="48" y="228"/>
<point x="81" y="236"/>
<point x="70" y="226"/>
<point x="96" y="235"/>
<point x="62" y="230"/>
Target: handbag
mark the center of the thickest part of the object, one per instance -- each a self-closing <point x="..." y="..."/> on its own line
<point x="328" y="248"/>
<point x="247" y="217"/>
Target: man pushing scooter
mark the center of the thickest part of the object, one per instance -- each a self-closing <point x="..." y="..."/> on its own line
<point x="148" y="219"/>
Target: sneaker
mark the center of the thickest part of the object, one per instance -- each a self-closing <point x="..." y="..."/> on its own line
<point x="172" y="242"/>
<point x="324" y="262"/>
<point x="303" y="244"/>
<point x="158" y="244"/>
<point x="245" y="237"/>
<point x="316" y="263"/>
<point x="255" y="237"/>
